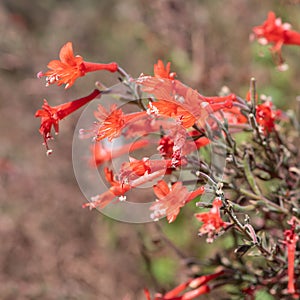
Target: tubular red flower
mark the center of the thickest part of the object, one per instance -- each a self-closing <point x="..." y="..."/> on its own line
<point x="160" y="71"/>
<point x="277" y="33"/>
<point x="274" y="31"/>
<point x="266" y="116"/>
<point x="199" y="287"/>
<point x="201" y="142"/>
<point x="120" y="187"/>
<point x="174" y="110"/>
<point x="70" y="67"/>
<point x="291" y="239"/>
<point x="117" y="189"/>
<point x="171" y="200"/>
<point x="100" y="201"/>
<point x="100" y="154"/>
<point x="175" y="100"/>
<point x="110" y="123"/>
<point x="204" y="289"/>
<point x="205" y="278"/>
<point x="50" y="116"/>
<point x="234" y="116"/>
<point x="165" y="147"/>
<point x="177" y="290"/>
<point x="147" y="294"/>
<point x="212" y="221"/>
<point x="134" y="169"/>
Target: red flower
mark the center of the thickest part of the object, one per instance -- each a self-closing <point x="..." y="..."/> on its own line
<point x="274" y="32"/>
<point x="177" y="143"/>
<point x="200" y="142"/>
<point x="291" y="239"/>
<point x="117" y="189"/>
<point x="135" y="168"/>
<point x="70" y="67"/>
<point x="178" y="101"/>
<point x="234" y="116"/>
<point x="100" y="201"/>
<point x="120" y="187"/>
<point x="174" y="110"/>
<point x="160" y="71"/>
<point x="212" y="221"/>
<point x="50" y="116"/>
<point x="171" y="200"/>
<point x="165" y="147"/>
<point x="145" y="126"/>
<point x="266" y="116"/>
<point x="174" y="100"/>
<point x="133" y="171"/>
<point x="147" y="294"/>
<point x="111" y="123"/>
<point x="198" y="285"/>
<point x="100" y="154"/>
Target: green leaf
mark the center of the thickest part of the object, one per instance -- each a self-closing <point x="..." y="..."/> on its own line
<point x="263" y="295"/>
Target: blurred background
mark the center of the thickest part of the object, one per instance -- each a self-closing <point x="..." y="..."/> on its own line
<point x="50" y="247"/>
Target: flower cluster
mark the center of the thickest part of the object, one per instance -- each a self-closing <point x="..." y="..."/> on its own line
<point x="170" y="99"/>
<point x="275" y="32"/>
<point x="251" y="187"/>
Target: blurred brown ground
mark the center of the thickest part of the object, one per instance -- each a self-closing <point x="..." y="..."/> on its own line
<point x="50" y="247"/>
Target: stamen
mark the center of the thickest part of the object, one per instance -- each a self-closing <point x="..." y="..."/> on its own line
<point x="122" y="198"/>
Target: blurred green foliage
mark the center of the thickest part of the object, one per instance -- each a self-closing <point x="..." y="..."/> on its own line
<point x="263" y="295"/>
<point x="164" y="269"/>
